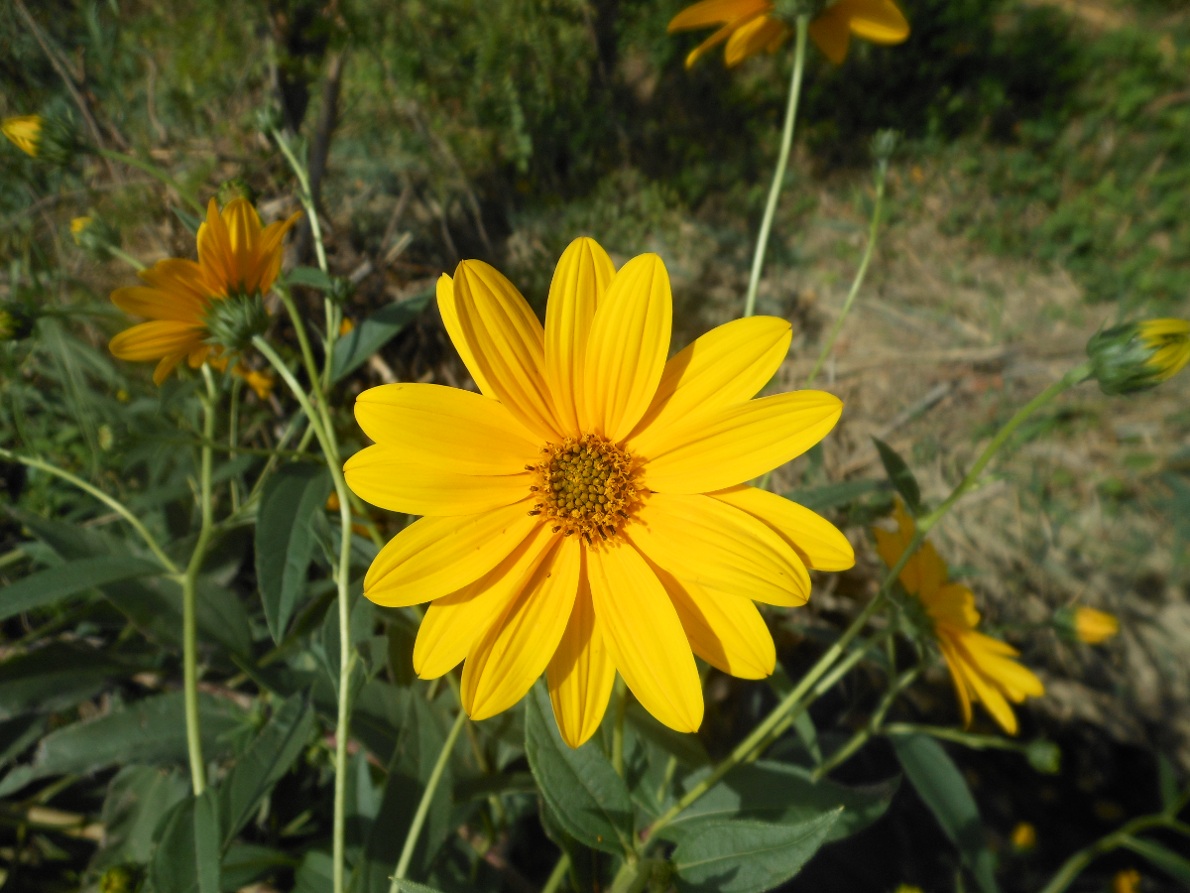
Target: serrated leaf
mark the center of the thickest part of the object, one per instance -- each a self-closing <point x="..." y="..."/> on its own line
<point x="267" y="759"/>
<point x="55" y="584"/>
<point x="1177" y="867"/>
<point x="187" y="858"/>
<point x="772" y="792"/>
<point x="151" y="731"/>
<point x="589" y="800"/>
<point x="748" y="857"/>
<point x="900" y="475"/>
<point x="353" y="349"/>
<point x="942" y="788"/>
<point x="284" y="541"/>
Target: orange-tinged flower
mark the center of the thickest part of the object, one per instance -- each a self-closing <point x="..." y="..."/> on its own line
<point x="983" y="669"/>
<point x="237" y="257"/>
<point x="584" y="512"/>
<point x="749" y="27"/>
<point x="24" y="132"/>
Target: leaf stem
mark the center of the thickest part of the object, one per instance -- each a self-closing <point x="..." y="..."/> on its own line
<point x="158" y="173"/>
<point x="770" y="209"/>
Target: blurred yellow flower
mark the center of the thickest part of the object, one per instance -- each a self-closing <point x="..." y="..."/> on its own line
<point x="749" y="27"/>
<point x="346" y="327"/>
<point x="1092" y="626"/>
<point x="1169" y="341"/>
<point x="78" y="226"/>
<point x="584" y="512"/>
<point x="24" y="132"/>
<point x="1136" y="356"/>
<point x="1024" y="837"/>
<point x="1126" y="881"/>
<point x="983" y="669"/>
<point x="260" y="380"/>
<point x="236" y="257"/>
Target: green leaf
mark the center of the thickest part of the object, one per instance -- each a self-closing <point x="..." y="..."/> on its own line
<point x="311" y="277"/>
<point x="150" y="731"/>
<point x="244" y="863"/>
<point x="833" y="496"/>
<point x="55" y="677"/>
<point x="768" y="791"/>
<point x="900" y="475"/>
<point x="315" y="874"/>
<point x="589" y="800"/>
<point x="404" y="886"/>
<point x="1177" y="867"/>
<point x="137" y="800"/>
<point x="1167" y="783"/>
<point x="268" y="758"/>
<point x="942" y="788"/>
<point x="50" y="586"/>
<point x="748" y="857"/>
<point x="188" y="855"/>
<point x="353" y="349"/>
<point x="284" y="542"/>
<point x="17" y="734"/>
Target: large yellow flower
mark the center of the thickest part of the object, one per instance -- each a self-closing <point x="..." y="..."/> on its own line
<point x="983" y="669"/>
<point x="24" y="132"/>
<point x="584" y="512"/>
<point x="236" y="256"/>
<point x="749" y="27"/>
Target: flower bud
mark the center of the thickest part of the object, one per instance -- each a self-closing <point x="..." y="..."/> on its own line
<point x="236" y="187"/>
<point x="1044" y="756"/>
<point x="94" y="236"/>
<point x="1086" y="624"/>
<point x="24" y="132"/>
<point x="1137" y="356"/>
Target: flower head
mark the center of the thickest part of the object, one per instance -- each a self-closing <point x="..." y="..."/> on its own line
<point x="187" y="302"/>
<point x="1137" y="356"/>
<point x="983" y="669"/>
<point x="750" y="27"/>
<point x="584" y="513"/>
<point x="1087" y="625"/>
<point x="24" y="132"/>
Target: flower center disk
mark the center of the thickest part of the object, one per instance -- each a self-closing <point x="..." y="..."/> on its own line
<point x="586" y="485"/>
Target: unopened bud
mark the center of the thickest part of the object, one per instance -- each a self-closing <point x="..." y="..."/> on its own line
<point x="1137" y="356"/>
<point x="1086" y="624"/>
<point x="236" y="187"/>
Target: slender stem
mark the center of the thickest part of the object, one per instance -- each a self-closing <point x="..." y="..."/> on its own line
<point x="427" y="797"/>
<point x="306" y="197"/>
<point x="154" y="171"/>
<point x="303" y="339"/>
<point x="621" y="696"/>
<point x="872" y="727"/>
<point x="558" y="875"/>
<point x="198" y="770"/>
<point x="114" y="504"/>
<point x="858" y="281"/>
<point x="119" y="253"/>
<point x="1122" y="836"/>
<point x="770" y="209"/>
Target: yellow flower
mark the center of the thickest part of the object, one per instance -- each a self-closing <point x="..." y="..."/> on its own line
<point x="1169" y="341"/>
<point x="1126" y="881"/>
<point x="1136" y="356"/>
<point x="1088" y="624"/>
<point x="236" y="257"/>
<point x="584" y="512"/>
<point x="346" y="327"/>
<point x="24" y="132"/>
<point x="983" y="669"/>
<point x="260" y="380"/>
<point x="1024" y="837"/>
<point x="78" y="226"/>
<point x="749" y="27"/>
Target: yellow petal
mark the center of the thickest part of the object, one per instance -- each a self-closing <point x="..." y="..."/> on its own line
<point x="214" y="246"/>
<point x="518" y="645"/>
<point x="627" y="348"/>
<point x="714" y="12"/>
<point x="704" y="541"/>
<point x="386" y="478"/>
<point x="820" y="545"/>
<point x="181" y="279"/>
<point x="984" y="690"/>
<point x="724" y="630"/>
<point x="153" y="340"/>
<point x="876" y="20"/>
<point x="954" y="665"/>
<point x="831" y="33"/>
<point x="507" y="342"/>
<point x="434" y="556"/>
<point x="454" y="622"/>
<point x="754" y="37"/>
<point x="710" y="43"/>
<point x="727" y="365"/>
<point x="737" y="443"/>
<point x="166" y="366"/>
<point x="156" y="304"/>
<point x="644" y="636"/>
<point x="446" y="428"/>
<point x="579" y="284"/>
<point x="449" y="308"/>
<point x="581" y="672"/>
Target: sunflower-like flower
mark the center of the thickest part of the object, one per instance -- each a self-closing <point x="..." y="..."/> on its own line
<point x="24" y="132"/>
<point x="190" y="305"/>
<point x="584" y="512"/>
<point x="983" y="669"/>
<point x="749" y="27"/>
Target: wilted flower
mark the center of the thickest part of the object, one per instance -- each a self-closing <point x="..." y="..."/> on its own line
<point x="584" y="512"/>
<point x="196" y="310"/>
<point x="750" y="27"/>
<point x="1137" y="356"/>
<point x="983" y="669"/>
<point x="24" y="132"/>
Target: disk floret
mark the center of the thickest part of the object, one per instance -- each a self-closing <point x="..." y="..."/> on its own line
<point x="586" y="485"/>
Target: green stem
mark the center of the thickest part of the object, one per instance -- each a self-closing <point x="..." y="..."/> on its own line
<point x="770" y="209"/>
<point x="124" y="256"/>
<point x="427" y="797"/>
<point x="858" y="281"/>
<point x="873" y="726"/>
<point x="198" y="770"/>
<point x="154" y="171"/>
<point x="1121" y="837"/>
<point x="621" y="696"/>
<point x="114" y="504"/>
<point x="958" y="736"/>
<point x="558" y="875"/>
<point x="306" y="197"/>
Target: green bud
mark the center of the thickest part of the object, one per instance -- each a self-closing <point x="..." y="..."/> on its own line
<point x="269" y="118"/>
<point x="883" y="144"/>
<point x="236" y="187"/>
<point x="1138" y="356"/>
<point x="94" y="236"/>
<point x="16" y="323"/>
<point x="1044" y="756"/>
<point x="233" y="322"/>
<point x="341" y="289"/>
